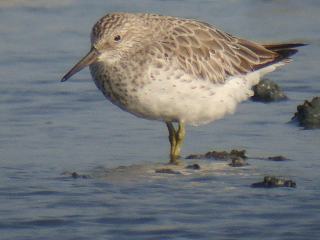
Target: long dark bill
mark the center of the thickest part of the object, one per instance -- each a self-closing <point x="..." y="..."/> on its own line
<point x="90" y="58"/>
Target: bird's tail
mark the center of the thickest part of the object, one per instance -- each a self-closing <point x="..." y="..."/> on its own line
<point x="280" y="53"/>
<point x="284" y="50"/>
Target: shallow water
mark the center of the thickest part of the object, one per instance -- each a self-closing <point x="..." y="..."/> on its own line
<point x="49" y="128"/>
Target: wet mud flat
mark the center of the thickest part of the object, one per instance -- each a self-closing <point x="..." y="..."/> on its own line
<point x="204" y="164"/>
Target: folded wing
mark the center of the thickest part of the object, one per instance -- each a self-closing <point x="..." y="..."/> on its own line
<point x="208" y="53"/>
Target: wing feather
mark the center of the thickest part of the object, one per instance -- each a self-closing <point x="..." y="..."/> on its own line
<point x="209" y="53"/>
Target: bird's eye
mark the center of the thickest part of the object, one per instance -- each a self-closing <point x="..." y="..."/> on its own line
<point x="117" y="38"/>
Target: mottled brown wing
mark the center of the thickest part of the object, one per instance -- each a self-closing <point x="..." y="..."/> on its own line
<point x="209" y="53"/>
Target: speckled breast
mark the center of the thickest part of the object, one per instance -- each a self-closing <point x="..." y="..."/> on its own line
<point x="119" y="84"/>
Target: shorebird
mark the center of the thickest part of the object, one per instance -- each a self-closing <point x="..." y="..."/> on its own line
<point x="176" y="70"/>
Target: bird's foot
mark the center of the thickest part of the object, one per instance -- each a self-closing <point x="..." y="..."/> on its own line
<point x="175" y="160"/>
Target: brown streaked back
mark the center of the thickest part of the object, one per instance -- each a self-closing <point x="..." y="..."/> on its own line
<point x="209" y="53"/>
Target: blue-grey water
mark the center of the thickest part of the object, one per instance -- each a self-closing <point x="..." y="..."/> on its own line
<point x="48" y="128"/>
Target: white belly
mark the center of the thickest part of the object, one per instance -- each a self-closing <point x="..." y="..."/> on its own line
<point x="193" y="101"/>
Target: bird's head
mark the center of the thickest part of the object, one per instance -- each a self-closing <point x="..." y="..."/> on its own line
<point x="112" y="37"/>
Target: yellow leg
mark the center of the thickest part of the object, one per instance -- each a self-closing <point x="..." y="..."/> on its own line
<point x="180" y="135"/>
<point x="172" y="140"/>
<point x="176" y="139"/>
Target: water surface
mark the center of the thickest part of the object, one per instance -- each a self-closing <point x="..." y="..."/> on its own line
<point x="48" y="128"/>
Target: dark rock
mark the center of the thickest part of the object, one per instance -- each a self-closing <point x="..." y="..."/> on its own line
<point x="194" y="166"/>
<point x="268" y="91"/>
<point x="77" y="175"/>
<point x="217" y="155"/>
<point x="222" y="155"/>
<point x="167" y="171"/>
<point x="238" y="153"/>
<point x="278" y="158"/>
<point x="195" y="156"/>
<point x="272" y="182"/>
<point x="308" y="114"/>
<point x="238" y="162"/>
